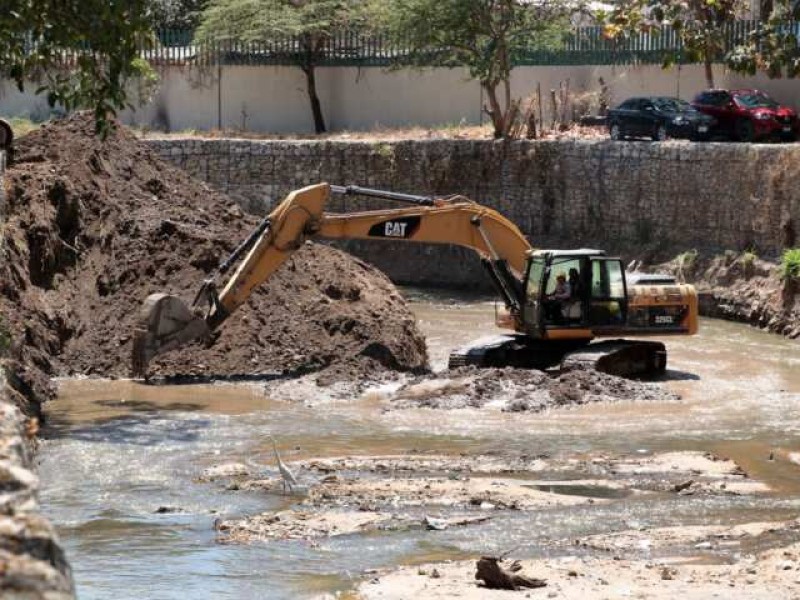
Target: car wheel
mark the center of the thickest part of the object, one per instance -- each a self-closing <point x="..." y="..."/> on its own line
<point x="660" y="133"/>
<point x="615" y="131"/>
<point x="745" y="132"/>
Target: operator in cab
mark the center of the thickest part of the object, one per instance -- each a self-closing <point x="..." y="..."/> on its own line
<point x="555" y="301"/>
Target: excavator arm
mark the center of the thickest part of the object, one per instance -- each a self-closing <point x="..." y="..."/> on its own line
<point x="167" y="323"/>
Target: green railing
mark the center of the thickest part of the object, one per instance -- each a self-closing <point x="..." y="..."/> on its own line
<point x="583" y="46"/>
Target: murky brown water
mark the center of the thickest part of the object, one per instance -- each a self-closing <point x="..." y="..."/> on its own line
<point x="115" y="452"/>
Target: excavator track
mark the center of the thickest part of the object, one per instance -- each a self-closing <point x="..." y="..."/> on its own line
<point x="511" y="350"/>
<point x="625" y="358"/>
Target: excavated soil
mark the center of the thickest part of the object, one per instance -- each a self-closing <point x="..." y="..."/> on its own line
<point x="92" y="227"/>
<point x="522" y="390"/>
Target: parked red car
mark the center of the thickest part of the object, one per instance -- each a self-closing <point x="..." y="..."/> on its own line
<point x="748" y="115"/>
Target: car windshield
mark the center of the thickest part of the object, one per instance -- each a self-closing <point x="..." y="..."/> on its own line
<point x="756" y="101"/>
<point x="672" y="104"/>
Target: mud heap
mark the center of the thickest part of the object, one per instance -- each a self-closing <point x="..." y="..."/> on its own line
<point x="93" y="227"/>
<point x="522" y="390"/>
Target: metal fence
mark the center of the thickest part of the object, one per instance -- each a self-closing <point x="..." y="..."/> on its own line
<point x="583" y="46"/>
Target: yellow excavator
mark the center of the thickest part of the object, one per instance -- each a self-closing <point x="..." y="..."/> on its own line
<point x="557" y="301"/>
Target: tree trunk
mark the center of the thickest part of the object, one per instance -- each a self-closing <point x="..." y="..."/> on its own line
<point x="494" y="111"/>
<point x="709" y="70"/>
<point x="316" y="107"/>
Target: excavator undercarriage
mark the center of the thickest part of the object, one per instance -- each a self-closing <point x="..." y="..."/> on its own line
<point x="625" y="358"/>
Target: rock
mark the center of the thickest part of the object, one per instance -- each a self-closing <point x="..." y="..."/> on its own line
<point x="496" y="577"/>
<point x="704" y="546"/>
<point x="668" y="573"/>
<point x="434" y="524"/>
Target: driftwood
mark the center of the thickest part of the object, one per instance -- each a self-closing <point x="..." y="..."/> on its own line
<point x="497" y="577"/>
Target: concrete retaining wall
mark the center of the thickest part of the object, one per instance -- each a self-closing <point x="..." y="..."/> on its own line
<point x="273" y="99"/>
<point x="643" y="200"/>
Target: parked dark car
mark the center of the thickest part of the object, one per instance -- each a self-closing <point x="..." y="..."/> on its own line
<point x="658" y="118"/>
<point x="748" y="115"/>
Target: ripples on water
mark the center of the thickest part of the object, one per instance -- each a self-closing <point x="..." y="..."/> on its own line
<point x="115" y="453"/>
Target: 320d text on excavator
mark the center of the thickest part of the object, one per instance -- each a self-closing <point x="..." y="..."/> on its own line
<point x="557" y="302"/>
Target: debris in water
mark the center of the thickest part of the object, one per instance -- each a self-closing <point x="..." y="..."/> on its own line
<point x="496" y="577"/>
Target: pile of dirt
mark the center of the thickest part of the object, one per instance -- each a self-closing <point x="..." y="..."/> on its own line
<point x="518" y="390"/>
<point x="92" y="227"/>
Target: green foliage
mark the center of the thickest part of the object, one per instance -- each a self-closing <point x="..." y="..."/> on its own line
<point x="700" y="25"/>
<point x="384" y="150"/>
<point x="486" y="36"/>
<point x="749" y="258"/>
<point x="313" y="22"/>
<point x="790" y="264"/>
<point x="84" y="52"/>
<point x="269" y="20"/>
<point x="686" y="260"/>
<point x="178" y="14"/>
<point x="773" y="46"/>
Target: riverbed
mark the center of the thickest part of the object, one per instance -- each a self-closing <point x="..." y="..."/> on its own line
<point x="123" y="464"/>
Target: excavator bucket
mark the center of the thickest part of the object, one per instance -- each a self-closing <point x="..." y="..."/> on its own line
<point x="165" y="323"/>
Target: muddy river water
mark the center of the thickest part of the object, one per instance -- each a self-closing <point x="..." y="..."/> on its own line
<point x="121" y="464"/>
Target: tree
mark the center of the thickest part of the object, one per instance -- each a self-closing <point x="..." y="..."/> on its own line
<point x="310" y="22"/>
<point x="773" y="46"/>
<point x="83" y="52"/>
<point x="178" y="14"/>
<point x="486" y="36"/>
<point x="700" y="25"/>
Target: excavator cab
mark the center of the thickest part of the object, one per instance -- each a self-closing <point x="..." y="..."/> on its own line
<point x="574" y="294"/>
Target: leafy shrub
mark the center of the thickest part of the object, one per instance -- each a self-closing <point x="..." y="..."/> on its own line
<point x="686" y="260"/>
<point x="790" y="264"/>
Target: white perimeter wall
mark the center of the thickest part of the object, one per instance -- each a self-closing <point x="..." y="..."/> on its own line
<point x="273" y="99"/>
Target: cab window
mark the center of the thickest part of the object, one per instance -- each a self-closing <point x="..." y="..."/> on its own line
<point x="608" y="302"/>
<point x="535" y="279"/>
<point x="570" y="268"/>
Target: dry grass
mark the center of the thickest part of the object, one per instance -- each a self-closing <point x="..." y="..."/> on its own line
<point x="381" y="134"/>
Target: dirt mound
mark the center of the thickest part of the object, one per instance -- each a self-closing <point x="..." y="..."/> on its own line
<point x="93" y="227"/>
<point x="521" y="389"/>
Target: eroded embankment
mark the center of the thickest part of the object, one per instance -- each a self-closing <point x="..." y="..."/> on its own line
<point x="742" y="287"/>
